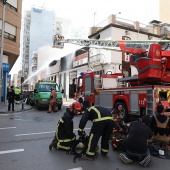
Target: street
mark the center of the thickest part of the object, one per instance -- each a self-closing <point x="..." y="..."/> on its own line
<point x="25" y="138"/>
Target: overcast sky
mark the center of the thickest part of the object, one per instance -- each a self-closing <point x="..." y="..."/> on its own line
<point x="86" y="13"/>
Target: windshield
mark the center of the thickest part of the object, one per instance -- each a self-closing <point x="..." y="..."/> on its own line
<point x="46" y="87"/>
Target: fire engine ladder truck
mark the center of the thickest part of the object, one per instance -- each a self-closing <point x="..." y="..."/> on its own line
<point x="151" y="58"/>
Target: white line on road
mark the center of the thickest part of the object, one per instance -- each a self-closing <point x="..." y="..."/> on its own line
<point x="40" y="133"/>
<point x="12" y="151"/>
<point x="8" y="128"/>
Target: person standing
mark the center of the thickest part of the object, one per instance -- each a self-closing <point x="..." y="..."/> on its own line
<point x="53" y="101"/>
<point x="64" y="135"/>
<point x="102" y="126"/>
<point x="17" y="94"/>
<point x="11" y="98"/>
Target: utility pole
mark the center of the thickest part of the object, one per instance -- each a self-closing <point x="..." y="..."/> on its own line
<point x="1" y="54"/>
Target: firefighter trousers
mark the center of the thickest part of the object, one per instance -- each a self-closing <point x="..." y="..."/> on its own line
<point x="100" y="129"/>
<point x="52" y="105"/>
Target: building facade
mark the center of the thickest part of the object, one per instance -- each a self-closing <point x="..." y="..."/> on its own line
<point x="11" y="44"/>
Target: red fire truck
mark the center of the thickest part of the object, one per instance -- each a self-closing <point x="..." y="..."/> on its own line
<point x="139" y="94"/>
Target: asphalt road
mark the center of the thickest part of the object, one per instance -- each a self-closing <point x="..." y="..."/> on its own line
<point x="24" y="141"/>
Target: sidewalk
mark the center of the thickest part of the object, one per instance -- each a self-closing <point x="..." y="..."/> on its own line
<point x="17" y="108"/>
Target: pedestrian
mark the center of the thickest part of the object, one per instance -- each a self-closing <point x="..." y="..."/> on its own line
<point x="161" y="126"/>
<point x="11" y="98"/>
<point x="53" y="101"/>
<point x="102" y="127"/>
<point x="17" y="95"/>
<point x="64" y="135"/>
<point x="138" y="134"/>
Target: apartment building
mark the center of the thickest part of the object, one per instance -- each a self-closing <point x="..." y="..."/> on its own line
<point x="12" y="28"/>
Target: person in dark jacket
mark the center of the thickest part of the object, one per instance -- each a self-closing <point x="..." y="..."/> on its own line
<point x="64" y="135"/>
<point x="11" y="98"/>
<point x="138" y="134"/>
<point x="161" y="126"/>
<point x="102" y="126"/>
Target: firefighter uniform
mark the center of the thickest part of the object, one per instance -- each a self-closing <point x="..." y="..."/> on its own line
<point x="102" y="126"/>
<point x="53" y="102"/>
<point x="64" y="131"/>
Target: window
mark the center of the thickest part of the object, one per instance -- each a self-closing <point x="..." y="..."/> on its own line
<point x="12" y="4"/>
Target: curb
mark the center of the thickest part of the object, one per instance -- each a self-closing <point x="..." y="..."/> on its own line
<point x="17" y="111"/>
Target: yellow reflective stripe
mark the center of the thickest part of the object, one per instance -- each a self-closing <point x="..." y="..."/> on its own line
<point x="168" y="96"/>
<point x="62" y="147"/>
<point x="61" y="120"/>
<point x="98" y="113"/>
<point x="103" y="118"/>
<point x="105" y="150"/>
<point x="66" y="140"/>
<point x="80" y="129"/>
<point x="89" y="144"/>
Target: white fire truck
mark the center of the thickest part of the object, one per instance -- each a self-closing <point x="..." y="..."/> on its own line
<point x="139" y="94"/>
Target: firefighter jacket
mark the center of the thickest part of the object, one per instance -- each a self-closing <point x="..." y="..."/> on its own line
<point x="64" y="130"/>
<point x="53" y="96"/>
<point x="11" y="95"/>
<point x="95" y="114"/>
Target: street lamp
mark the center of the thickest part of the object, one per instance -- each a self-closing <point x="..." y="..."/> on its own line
<point x="2" y="44"/>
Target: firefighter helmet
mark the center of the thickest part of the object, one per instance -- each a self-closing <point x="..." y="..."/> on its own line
<point x="76" y="106"/>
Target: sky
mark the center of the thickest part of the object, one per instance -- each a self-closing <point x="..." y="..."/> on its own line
<point x="87" y="13"/>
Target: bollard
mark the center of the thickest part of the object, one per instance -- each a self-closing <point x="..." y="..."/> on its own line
<point x="22" y="104"/>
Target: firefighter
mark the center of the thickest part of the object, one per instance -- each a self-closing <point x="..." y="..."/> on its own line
<point x="117" y="113"/>
<point x="11" y="98"/>
<point x="53" y="102"/>
<point x="161" y="126"/>
<point x="139" y="133"/>
<point x="102" y="126"/>
<point x="64" y="135"/>
<point x="17" y="95"/>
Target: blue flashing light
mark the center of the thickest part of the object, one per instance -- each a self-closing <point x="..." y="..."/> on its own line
<point x="81" y="73"/>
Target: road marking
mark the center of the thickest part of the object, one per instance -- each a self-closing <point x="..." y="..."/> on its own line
<point x="12" y="151"/>
<point x="79" y="168"/>
<point x="40" y="133"/>
<point x="8" y="128"/>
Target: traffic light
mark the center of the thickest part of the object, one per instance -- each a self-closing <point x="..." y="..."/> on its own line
<point x="22" y="79"/>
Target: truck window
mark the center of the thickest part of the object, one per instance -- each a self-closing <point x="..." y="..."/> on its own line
<point x="46" y="87"/>
<point x="163" y="96"/>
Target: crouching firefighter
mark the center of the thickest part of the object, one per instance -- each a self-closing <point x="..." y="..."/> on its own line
<point x="64" y="135"/>
<point x="102" y="126"/>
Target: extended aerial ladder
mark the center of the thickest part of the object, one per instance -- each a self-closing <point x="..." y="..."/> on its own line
<point x="151" y="57"/>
